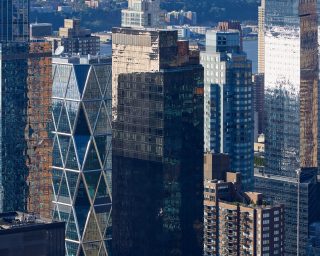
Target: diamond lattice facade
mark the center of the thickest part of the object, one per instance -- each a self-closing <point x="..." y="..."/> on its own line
<point x="82" y="153"/>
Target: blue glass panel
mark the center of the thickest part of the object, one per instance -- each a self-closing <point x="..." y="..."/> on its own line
<point x="81" y="252"/>
<point x="81" y="73"/>
<point x="82" y="206"/>
<point x="102" y="196"/>
<point x="72" y="109"/>
<point x="64" y="192"/>
<point x="81" y="135"/>
<point x="56" y="156"/>
<point x="72" y="162"/>
<point x="72" y="178"/>
<point x="63" y="125"/>
<point x="64" y="145"/>
<point x="108" y="244"/>
<point x="92" y="161"/>
<point x="56" y="180"/>
<point x="92" y="88"/>
<point x="72" y="248"/>
<point x="103" y="123"/>
<point x="92" y="109"/>
<point x="108" y="232"/>
<point x="73" y="90"/>
<point x="104" y="77"/>
<point x="92" y="179"/>
<point x="56" y="215"/>
<point x="56" y="110"/>
<point x="71" y="228"/>
<point x="101" y="142"/>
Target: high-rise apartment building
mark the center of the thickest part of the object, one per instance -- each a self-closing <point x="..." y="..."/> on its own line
<point x="228" y="118"/>
<point x="81" y="168"/>
<point x="157" y="145"/>
<point x="37" y="131"/>
<point x="238" y="223"/>
<point x="75" y="39"/>
<point x="291" y="111"/>
<point x="14" y="20"/>
<point x="261" y="40"/>
<point x="142" y="14"/>
<point x="26" y="234"/>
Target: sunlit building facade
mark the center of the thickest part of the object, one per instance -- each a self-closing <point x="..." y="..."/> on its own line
<point x="228" y="115"/>
<point x="157" y="145"/>
<point x="291" y="115"/>
<point x="81" y="171"/>
<point x="141" y="14"/>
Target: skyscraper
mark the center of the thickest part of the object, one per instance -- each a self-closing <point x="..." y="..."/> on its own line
<point x="157" y="146"/>
<point x="14" y="87"/>
<point x="141" y="14"/>
<point x="81" y="169"/>
<point x="261" y="41"/>
<point x="228" y="120"/>
<point x="291" y="111"/>
<point x="14" y="20"/>
<point x="37" y="132"/>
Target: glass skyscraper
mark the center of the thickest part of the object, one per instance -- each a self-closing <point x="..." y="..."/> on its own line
<point x="228" y="118"/>
<point x="81" y="172"/>
<point x="13" y="121"/>
<point x="14" y="20"/>
<point x="157" y="146"/>
<point x="292" y="116"/>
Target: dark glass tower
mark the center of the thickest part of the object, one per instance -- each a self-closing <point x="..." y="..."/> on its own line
<point x="14" y="20"/>
<point x="13" y="121"/>
<point x="158" y="158"/>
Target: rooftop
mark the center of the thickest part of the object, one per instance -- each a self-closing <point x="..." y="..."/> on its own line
<point x="14" y="220"/>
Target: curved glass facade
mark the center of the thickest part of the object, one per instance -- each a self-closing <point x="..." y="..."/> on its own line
<point x="81" y="169"/>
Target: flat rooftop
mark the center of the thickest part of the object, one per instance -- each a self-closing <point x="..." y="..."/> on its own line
<point x="18" y="220"/>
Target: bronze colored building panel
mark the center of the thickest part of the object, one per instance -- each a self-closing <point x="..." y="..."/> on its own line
<point x="39" y="152"/>
<point x="309" y="76"/>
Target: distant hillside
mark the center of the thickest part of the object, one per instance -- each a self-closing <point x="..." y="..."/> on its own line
<point x="209" y="12"/>
<point x="96" y="20"/>
<point x="212" y="11"/>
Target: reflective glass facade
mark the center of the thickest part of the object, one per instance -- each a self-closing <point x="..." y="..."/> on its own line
<point x="13" y="121"/>
<point x="81" y="172"/>
<point x="14" y="20"/>
<point x="158" y="163"/>
<point x="291" y="111"/>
